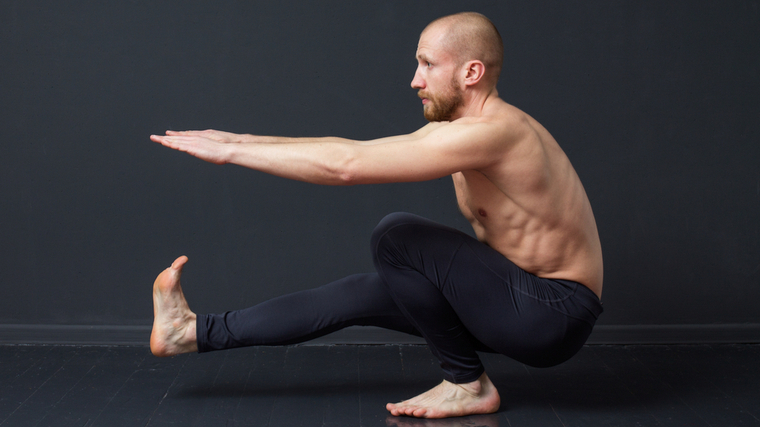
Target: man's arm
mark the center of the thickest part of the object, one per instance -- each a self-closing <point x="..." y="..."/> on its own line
<point x="242" y="138"/>
<point x="432" y="152"/>
<point x="236" y="138"/>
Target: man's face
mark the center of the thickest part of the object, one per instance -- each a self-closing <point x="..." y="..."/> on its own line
<point x="441" y="105"/>
<point x="436" y="78"/>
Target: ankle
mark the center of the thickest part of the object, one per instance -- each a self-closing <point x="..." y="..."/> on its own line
<point x="479" y="386"/>
<point x="191" y="335"/>
<point x="475" y="388"/>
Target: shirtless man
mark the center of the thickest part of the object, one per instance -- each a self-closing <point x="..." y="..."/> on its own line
<point x="528" y="287"/>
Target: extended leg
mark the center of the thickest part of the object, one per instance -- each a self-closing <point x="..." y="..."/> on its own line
<point x="360" y="299"/>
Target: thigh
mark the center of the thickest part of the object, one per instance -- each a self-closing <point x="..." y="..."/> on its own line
<point x="512" y="311"/>
<point x="504" y="308"/>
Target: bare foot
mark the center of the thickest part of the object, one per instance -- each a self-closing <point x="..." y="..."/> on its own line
<point x="173" y="322"/>
<point x="451" y="400"/>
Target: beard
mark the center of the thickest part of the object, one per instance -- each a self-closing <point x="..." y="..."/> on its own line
<point x="441" y="107"/>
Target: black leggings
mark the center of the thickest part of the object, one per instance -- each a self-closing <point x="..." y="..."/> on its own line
<point x="432" y="281"/>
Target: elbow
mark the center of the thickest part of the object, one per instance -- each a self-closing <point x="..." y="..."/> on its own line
<point x="347" y="174"/>
<point x="346" y="179"/>
<point x="345" y="170"/>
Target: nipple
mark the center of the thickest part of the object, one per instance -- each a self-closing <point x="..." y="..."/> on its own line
<point x="482" y="212"/>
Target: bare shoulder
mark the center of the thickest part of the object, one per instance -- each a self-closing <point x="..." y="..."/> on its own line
<point x="505" y="123"/>
<point x="425" y="130"/>
<point x="513" y="119"/>
<point x="478" y="142"/>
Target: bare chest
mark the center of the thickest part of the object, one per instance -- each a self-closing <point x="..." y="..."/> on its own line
<point x="479" y="199"/>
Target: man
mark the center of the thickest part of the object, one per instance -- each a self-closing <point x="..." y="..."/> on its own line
<point x="527" y="287"/>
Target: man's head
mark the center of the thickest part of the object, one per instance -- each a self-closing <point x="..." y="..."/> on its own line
<point x="455" y="54"/>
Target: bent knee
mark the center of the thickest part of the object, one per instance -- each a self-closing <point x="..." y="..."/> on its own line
<point x="388" y="223"/>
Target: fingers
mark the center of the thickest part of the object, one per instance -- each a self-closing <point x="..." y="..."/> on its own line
<point x="193" y="132"/>
<point x="173" y="141"/>
<point x="184" y="132"/>
<point x="163" y="140"/>
<point x="214" y="135"/>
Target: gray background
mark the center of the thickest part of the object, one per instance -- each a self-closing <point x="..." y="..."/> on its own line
<point x="657" y="104"/>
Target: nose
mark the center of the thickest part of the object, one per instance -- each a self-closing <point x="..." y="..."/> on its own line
<point x="417" y="81"/>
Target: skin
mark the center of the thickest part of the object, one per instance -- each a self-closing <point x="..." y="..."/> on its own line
<point x="513" y="183"/>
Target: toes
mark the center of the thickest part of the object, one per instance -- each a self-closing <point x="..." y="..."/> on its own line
<point x="398" y="410"/>
<point x="179" y="263"/>
<point x="410" y="411"/>
<point x="395" y="410"/>
<point x="419" y="412"/>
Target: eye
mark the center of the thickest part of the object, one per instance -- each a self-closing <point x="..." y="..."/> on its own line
<point x="428" y="65"/>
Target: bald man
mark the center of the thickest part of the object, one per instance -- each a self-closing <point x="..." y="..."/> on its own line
<point x="528" y="287"/>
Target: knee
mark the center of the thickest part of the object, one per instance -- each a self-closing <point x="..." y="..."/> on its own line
<point x="387" y="224"/>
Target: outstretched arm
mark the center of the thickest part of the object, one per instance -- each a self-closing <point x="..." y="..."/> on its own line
<point x="230" y="138"/>
<point x="242" y="138"/>
<point x="436" y="150"/>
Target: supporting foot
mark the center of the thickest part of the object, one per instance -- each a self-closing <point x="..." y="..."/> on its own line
<point x="451" y="400"/>
<point x="173" y="322"/>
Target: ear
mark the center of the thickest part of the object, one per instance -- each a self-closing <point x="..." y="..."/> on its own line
<point x="473" y="72"/>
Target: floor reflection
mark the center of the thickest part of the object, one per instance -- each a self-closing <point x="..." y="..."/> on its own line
<point x="489" y="420"/>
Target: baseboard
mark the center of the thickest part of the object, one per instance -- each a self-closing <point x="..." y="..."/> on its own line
<point x="730" y="333"/>
<point x="108" y="335"/>
<point x="114" y="335"/>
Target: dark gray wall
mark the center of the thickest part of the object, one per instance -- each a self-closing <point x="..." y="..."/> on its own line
<point x="656" y="103"/>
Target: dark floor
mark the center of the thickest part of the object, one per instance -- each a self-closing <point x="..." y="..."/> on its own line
<point x="705" y="385"/>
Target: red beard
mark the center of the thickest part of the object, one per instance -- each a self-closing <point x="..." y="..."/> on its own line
<point x="441" y="107"/>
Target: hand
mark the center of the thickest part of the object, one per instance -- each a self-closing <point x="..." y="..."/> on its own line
<point x="209" y="145"/>
<point x="216" y="135"/>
